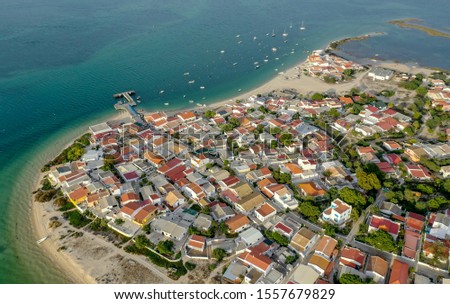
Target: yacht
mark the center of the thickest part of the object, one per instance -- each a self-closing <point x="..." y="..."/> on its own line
<point x="166" y="103"/>
<point x="285" y="34"/>
<point x="235" y="63"/>
<point x="202" y="88"/>
<point x="191" y="81"/>
<point x="273" y="33"/>
<point x="302" y="27"/>
<point x="186" y="74"/>
<point x="191" y="101"/>
<point x="274" y="49"/>
<point x="161" y="92"/>
<point x="222" y="51"/>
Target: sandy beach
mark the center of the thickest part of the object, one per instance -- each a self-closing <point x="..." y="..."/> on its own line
<point x="92" y="259"/>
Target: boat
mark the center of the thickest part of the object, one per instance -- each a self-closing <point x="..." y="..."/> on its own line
<point x="273" y="33"/>
<point x="41" y="240"/>
<point x="274" y="49"/>
<point x="184" y="96"/>
<point x="239" y="90"/>
<point x="199" y="105"/>
<point x="139" y="97"/>
<point x="222" y="51"/>
<point x="239" y="42"/>
<point x="237" y="36"/>
<point x="290" y="26"/>
<point x="266" y="60"/>
<point x="166" y="103"/>
<point x="186" y="74"/>
<point x="277" y="58"/>
<point x="191" y="101"/>
<point x="302" y="27"/>
<point x="256" y="67"/>
<point x="202" y="88"/>
<point x="285" y="34"/>
<point x="235" y="63"/>
<point x="191" y="81"/>
<point x="254" y="37"/>
<point x="256" y="63"/>
<point x="161" y="92"/>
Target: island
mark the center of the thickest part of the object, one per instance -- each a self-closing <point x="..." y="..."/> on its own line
<point x="332" y="172"/>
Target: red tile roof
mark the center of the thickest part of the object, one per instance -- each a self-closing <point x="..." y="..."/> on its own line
<point x="385" y="224"/>
<point x="399" y="273"/>
<point x="283" y="228"/>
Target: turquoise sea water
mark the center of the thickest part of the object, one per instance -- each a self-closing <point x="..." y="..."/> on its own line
<point x="61" y="61"/>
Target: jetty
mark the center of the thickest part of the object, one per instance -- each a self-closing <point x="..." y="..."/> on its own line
<point x="128" y="105"/>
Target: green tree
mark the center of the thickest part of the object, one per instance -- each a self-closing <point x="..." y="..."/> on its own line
<point x="348" y="72"/>
<point x="291" y="259"/>
<point x="348" y="278"/>
<point x="382" y="240"/>
<point x="352" y="197"/>
<point x="219" y="254"/>
<point x="367" y="181"/>
<point x="317" y="96"/>
<point x="75" y="152"/>
<point x="165" y="247"/>
<point x="286" y="139"/>
<point x="421" y="91"/>
<point x="209" y="114"/>
<point x="446" y="185"/>
<point x="334" y="113"/>
<point x="308" y="210"/>
<point x="277" y="237"/>
<point x="141" y="241"/>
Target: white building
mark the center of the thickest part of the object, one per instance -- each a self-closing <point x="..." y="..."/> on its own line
<point x="338" y="213"/>
<point x="381" y="74"/>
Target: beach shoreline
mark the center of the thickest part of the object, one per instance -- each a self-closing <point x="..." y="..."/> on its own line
<point x="82" y="269"/>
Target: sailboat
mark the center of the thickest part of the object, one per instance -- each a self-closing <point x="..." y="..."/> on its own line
<point x="285" y="34"/>
<point x="273" y="33"/>
<point x="302" y="27"/>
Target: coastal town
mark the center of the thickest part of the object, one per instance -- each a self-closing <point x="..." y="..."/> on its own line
<point x="279" y="187"/>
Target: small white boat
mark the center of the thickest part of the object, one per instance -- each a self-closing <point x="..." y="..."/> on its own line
<point x="191" y="81"/>
<point x="237" y="36"/>
<point x="199" y="105"/>
<point x="235" y="63"/>
<point x="184" y="96"/>
<point x="273" y="33"/>
<point x="239" y="90"/>
<point x="256" y="63"/>
<point x="202" y="88"/>
<point x="285" y="34"/>
<point x="266" y="60"/>
<point x="256" y="67"/>
<point x="302" y="27"/>
<point x="161" y="92"/>
<point x="239" y="42"/>
<point x="222" y="51"/>
<point x="290" y="26"/>
<point x="254" y="37"/>
<point x="166" y="103"/>
<point x="191" y="101"/>
<point x="274" y="49"/>
<point x="277" y="58"/>
<point x="186" y="74"/>
<point x="41" y="240"/>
